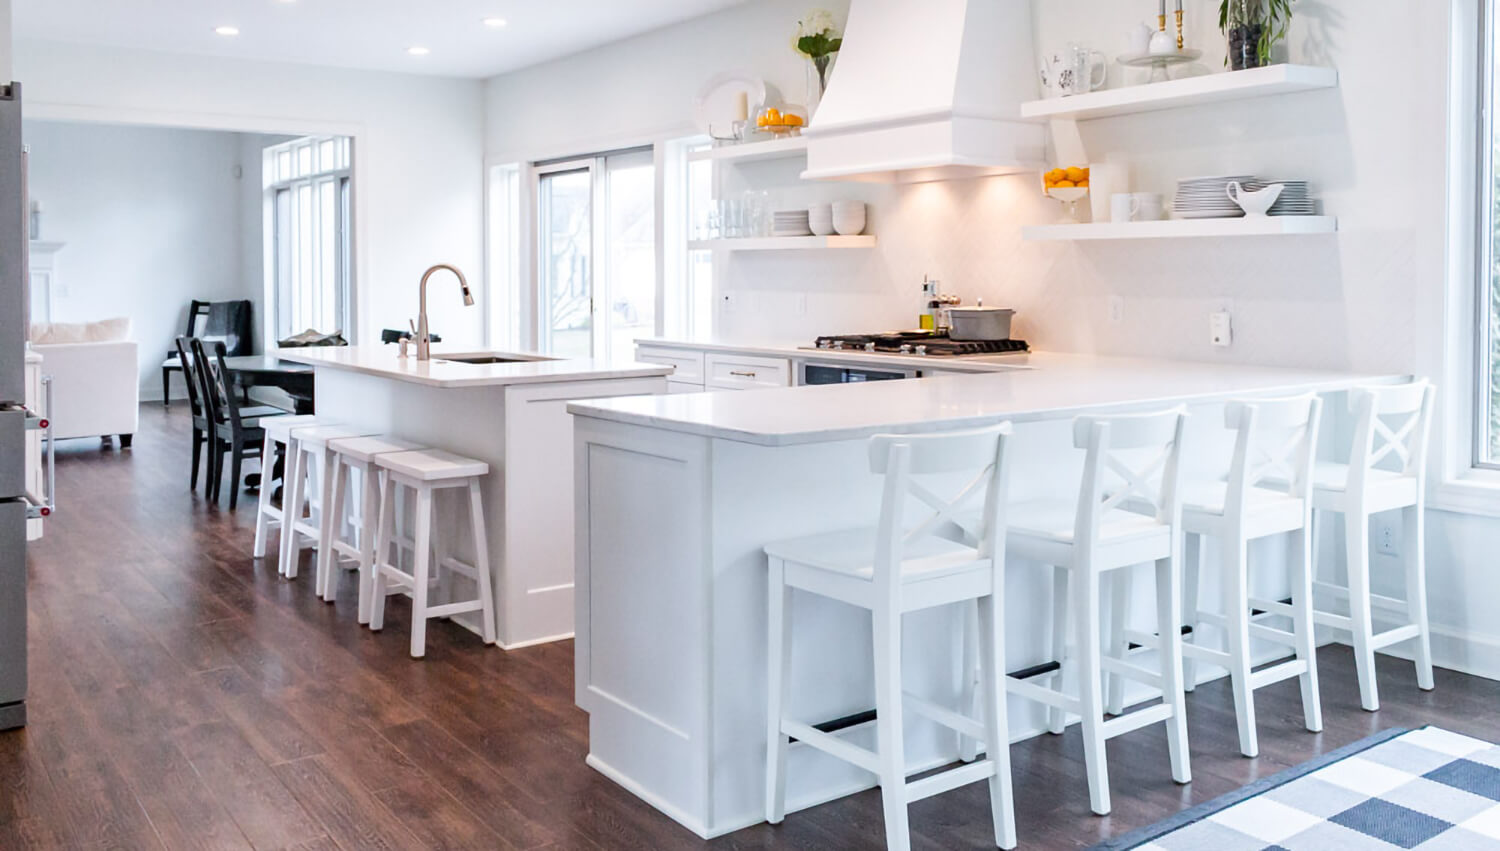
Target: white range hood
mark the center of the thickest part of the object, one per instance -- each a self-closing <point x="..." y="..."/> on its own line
<point x="928" y="91"/>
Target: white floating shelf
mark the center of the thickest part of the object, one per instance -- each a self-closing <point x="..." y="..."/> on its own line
<point x="1183" y="228"/>
<point x="1188" y="91"/>
<point x="783" y="243"/>
<point x="771" y="149"/>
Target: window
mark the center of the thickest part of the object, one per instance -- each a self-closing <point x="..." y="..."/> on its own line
<point x="1487" y="306"/>
<point x="503" y="263"/>
<point x="596" y="254"/>
<point x="307" y="188"/>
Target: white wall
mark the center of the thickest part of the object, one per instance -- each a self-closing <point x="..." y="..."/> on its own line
<point x="418" y="149"/>
<point x="151" y="218"/>
<point x="1374" y="150"/>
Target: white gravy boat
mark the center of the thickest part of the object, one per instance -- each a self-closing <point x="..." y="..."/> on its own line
<point x="1255" y="203"/>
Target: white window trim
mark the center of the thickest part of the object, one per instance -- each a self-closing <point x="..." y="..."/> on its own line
<point x="1461" y="486"/>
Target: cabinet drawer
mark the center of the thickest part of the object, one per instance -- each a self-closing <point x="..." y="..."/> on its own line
<point x="683" y="387"/>
<point x="740" y="372"/>
<point x="687" y="366"/>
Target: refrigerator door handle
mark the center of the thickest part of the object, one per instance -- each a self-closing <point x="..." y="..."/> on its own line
<point x="43" y="505"/>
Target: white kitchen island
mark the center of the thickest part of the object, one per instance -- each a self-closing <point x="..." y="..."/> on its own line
<point x="510" y="414"/>
<point x="678" y="494"/>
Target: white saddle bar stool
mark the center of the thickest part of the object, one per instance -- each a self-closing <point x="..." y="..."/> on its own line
<point x="426" y="472"/>
<point x="1268" y="493"/>
<point x="267" y="513"/>
<point x="306" y="477"/>
<point x="890" y="570"/>
<point x="350" y="457"/>
<point x="1129" y="462"/>
<point x="1387" y="471"/>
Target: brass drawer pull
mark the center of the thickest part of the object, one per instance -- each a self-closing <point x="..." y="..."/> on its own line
<point x="742" y="374"/>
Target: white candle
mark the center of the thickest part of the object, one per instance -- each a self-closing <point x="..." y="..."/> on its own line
<point x="742" y="106"/>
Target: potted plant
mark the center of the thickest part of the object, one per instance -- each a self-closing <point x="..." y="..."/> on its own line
<point x="1253" y="27"/>
<point x="818" y="39"/>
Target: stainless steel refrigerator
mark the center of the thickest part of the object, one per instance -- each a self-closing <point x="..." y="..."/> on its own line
<point x="15" y="502"/>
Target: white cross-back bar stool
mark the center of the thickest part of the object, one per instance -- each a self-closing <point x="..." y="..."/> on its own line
<point x="307" y="468"/>
<point x="427" y="472"/>
<point x="896" y="568"/>
<point x="1268" y="493"/>
<point x="1387" y="471"/>
<point x="350" y="457"/>
<point x="267" y="513"/>
<point x="1129" y="462"/>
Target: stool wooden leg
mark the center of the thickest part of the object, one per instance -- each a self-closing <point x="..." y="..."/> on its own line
<point x="1120" y="588"/>
<point x="1090" y="691"/>
<point x="263" y="503"/>
<point x="369" y="535"/>
<point x="488" y="625"/>
<point x="991" y="633"/>
<point x="335" y="494"/>
<point x="291" y="509"/>
<point x="385" y="530"/>
<point x="1357" y="545"/>
<point x="969" y="691"/>
<point x="1192" y="566"/>
<point x="1414" y="539"/>
<point x="420" y="571"/>
<point x="1168" y="604"/>
<point x="888" y="726"/>
<point x="441" y="553"/>
<point x="778" y="681"/>
<point x="1057" y="719"/>
<point x="1299" y="555"/>
<point x="1236" y="579"/>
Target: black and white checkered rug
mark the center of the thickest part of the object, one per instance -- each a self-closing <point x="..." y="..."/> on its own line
<point x="1427" y="789"/>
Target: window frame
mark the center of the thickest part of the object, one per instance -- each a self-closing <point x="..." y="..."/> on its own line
<point x="1480" y="379"/>
<point x="341" y="176"/>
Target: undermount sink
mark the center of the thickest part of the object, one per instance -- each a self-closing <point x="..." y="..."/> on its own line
<point x="491" y="358"/>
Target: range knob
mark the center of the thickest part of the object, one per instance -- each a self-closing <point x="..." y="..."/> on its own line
<point x="906" y="348"/>
<point x="922" y="350"/>
<point x="870" y="346"/>
<point x="838" y="344"/>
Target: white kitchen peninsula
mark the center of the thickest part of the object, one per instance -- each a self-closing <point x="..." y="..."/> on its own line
<point x="509" y="413"/>
<point x="677" y="495"/>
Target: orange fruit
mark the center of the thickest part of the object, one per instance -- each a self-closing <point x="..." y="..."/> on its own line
<point x="792" y="120"/>
<point x="1057" y="174"/>
<point x="1064" y="184"/>
<point x="1083" y="184"/>
<point x="1076" y="174"/>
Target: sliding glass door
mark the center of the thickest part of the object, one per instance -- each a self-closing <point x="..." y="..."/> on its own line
<point x="596" y="255"/>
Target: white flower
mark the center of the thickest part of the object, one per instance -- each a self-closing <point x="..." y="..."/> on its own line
<point x="815" y="22"/>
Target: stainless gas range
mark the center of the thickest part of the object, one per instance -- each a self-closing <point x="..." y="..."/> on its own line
<point x="909" y="344"/>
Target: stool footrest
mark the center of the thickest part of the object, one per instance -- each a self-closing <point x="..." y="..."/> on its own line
<point x="1134" y="672"/>
<point x="1275" y="636"/>
<point x="1396" y="636"/>
<point x="1378" y="601"/>
<point x="448" y="609"/>
<point x="955" y="721"/>
<point x="832" y="745"/>
<point x="1047" y="696"/>
<point x="1277" y="673"/>
<point x="937" y="784"/>
<point x="1136" y="720"/>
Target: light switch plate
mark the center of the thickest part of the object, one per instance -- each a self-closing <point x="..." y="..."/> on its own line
<point x="1220" y="328"/>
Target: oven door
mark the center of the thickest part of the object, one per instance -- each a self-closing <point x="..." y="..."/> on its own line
<point x="810" y="372"/>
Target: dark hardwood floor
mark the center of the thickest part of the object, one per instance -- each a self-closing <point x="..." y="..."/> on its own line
<point x="184" y="696"/>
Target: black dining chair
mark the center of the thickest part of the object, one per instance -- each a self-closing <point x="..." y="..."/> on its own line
<point x="195" y="401"/>
<point x="236" y="431"/>
<point x="229" y="321"/>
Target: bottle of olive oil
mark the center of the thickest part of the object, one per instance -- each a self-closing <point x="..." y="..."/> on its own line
<point x="927" y="317"/>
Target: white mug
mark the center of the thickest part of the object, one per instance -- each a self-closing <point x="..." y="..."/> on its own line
<point x="1123" y="207"/>
<point x="1148" y="206"/>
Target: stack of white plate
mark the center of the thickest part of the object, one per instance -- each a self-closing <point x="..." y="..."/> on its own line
<point x="1208" y="197"/>
<point x="790" y="223"/>
<point x="1295" y="199"/>
<point x="849" y="217"/>
<point x="820" y="219"/>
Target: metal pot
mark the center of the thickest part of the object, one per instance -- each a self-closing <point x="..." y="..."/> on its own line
<point x="979" y="324"/>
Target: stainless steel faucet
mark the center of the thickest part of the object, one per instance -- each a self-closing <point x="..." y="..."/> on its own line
<point x="424" y="344"/>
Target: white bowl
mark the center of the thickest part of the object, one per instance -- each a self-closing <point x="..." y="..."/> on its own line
<point x="849" y="225"/>
<point x="820" y="227"/>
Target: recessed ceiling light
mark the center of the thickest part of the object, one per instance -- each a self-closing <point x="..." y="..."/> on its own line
<point x="495" y="23"/>
<point x="418" y="50"/>
<point x="227" y="30"/>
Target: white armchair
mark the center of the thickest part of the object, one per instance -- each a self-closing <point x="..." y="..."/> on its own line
<point x="95" y="379"/>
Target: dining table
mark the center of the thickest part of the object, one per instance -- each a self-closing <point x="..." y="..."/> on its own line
<point x="268" y="370"/>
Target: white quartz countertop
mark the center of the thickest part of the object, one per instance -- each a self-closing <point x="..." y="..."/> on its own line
<point x="796" y="351"/>
<point x="1056" y="386"/>
<point x="383" y="361"/>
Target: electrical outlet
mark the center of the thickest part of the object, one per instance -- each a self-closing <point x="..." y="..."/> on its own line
<point x="1116" y="309"/>
<point x="1220" y="328"/>
<point x="1385" y="539"/>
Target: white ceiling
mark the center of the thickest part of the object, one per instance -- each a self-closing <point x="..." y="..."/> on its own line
<point x="364" y="34"/>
